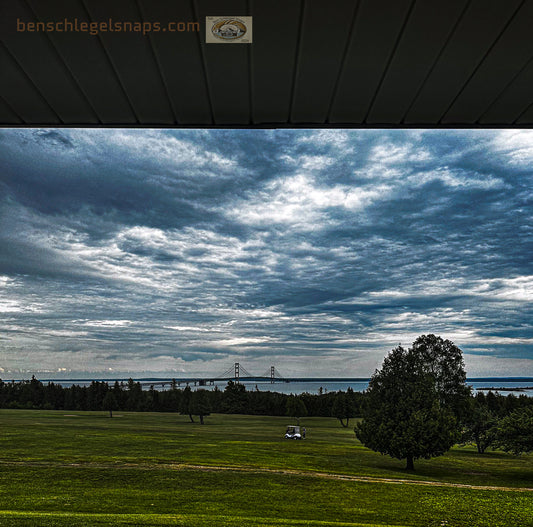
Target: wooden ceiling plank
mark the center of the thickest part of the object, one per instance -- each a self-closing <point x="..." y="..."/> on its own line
<point x="526" y="119"/>
<point x="20" y="93"/>
<point x="41" y="62"/>
<point x="513" y="101"/>
<point x="227" y="66"/>
<point x="180" y="60"/>
<point x="426" y="33"/>
<point x="375" y="32"/>
<point x="509" y="54"/>
<point x="323" y="41"/>
<point x="133" y="60"/>
<point x="477" y="30"/>
<point x="8" y="115"/>
<point x="273" y="58"/>
<point x="86" y="59"/>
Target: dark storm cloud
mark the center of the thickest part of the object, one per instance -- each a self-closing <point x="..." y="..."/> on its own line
<point x="312" y="250"/>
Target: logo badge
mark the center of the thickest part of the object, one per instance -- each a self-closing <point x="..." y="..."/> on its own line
<point x="228" y="29"/>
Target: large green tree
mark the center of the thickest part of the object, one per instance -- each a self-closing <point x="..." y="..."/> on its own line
<point x="413" y="405"/>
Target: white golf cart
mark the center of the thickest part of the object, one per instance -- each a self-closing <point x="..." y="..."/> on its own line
<point x="293" y="432"/>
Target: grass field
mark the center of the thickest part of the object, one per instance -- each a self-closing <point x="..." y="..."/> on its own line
<point x="83" y="468"/>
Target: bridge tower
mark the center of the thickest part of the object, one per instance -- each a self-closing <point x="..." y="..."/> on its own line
<point x="237" y="367"/>
<point x="272" y="374"/>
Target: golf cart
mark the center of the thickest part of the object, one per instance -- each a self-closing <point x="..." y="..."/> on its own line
<point x="293" y="432"/>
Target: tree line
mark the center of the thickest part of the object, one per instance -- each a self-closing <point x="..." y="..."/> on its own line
<point x="130" y="396"/>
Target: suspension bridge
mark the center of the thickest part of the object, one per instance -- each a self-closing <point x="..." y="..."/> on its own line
<point x="237" y="373"/>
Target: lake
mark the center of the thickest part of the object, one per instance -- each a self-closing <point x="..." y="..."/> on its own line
<point x="313" y="385"/>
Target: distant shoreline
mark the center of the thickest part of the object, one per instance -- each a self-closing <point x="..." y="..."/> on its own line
<point x="503" y="385"/>
<point x="503" y="389"/>
<point x="290" y="379"/>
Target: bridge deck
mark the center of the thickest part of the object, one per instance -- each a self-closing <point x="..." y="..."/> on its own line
<point x="211" y="380"/>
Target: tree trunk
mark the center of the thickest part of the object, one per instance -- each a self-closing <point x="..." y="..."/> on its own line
<point x="410" y="463"/>
<point x="477" y="439"/>
<point x="201" y="419"/>
<point x="110" y="413"/>
<point x="190" y="417"/>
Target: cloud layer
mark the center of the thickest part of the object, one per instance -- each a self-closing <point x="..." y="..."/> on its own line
<point x="314" y="251"/>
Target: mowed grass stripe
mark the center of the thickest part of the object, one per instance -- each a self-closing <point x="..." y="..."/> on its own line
<point x="59" y="518"/>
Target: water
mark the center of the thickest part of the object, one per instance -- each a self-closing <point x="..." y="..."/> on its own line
<point x="313" y="386"/>
<point x="295" y="387"/>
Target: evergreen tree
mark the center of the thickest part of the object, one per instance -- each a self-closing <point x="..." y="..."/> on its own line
<point x="135" y="396"/>
<point x="515" y="432"/>
<point x="185" y="402"/>
<point x="295" y="407"/>
<point x="235" y="398"/>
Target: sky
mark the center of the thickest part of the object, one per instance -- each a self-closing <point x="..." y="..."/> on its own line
<point x="180" y="252"/>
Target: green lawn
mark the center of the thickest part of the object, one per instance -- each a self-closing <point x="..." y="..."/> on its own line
<point x="82" y="468"/>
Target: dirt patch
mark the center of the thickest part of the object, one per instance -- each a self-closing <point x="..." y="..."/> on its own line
<point x="263" y="470"/>
<point x="347" y="477"/>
